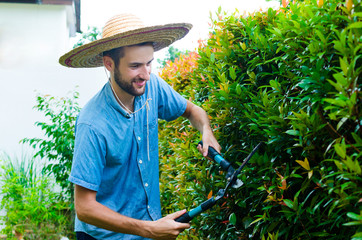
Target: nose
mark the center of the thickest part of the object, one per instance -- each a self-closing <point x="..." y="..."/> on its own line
<point x="145" y="72"/>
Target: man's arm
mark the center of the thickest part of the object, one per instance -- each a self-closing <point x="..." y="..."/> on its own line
<point x="92" y="212"/>
<point x="200" y="120"/>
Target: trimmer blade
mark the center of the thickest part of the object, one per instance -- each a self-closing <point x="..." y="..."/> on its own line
<point x="238" y="183"/>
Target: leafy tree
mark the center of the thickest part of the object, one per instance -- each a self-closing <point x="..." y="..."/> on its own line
<point x="172" y="54"/>
<point x="92" y="34"/>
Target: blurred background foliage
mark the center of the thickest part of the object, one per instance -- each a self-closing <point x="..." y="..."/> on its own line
<point x="33" y="202"/>
<point x="289" y="78"/>
<point x="36" y="194"/>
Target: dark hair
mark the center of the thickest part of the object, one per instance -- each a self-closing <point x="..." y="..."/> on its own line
<point x="117" y="53"/>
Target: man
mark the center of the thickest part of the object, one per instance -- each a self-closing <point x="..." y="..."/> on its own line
<point x="115" y="164"/>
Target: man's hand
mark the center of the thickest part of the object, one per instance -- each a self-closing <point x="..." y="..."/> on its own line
<point x="208" y="140"/>
<point x="92" y="212"/>
<point x="200" y="120"/>
<point x="167" y="227"/>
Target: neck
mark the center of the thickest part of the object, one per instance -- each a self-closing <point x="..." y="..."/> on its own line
<point x="124" y="99"/>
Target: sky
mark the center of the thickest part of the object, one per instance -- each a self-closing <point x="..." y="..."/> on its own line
<point x="159" y="12"/>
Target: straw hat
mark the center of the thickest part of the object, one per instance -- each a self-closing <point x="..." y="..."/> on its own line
<point x="123" y="30"/>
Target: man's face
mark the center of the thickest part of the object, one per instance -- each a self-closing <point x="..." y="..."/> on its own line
<point x="134" y="69"/>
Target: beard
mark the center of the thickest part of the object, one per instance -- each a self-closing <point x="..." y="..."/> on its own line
<point x="128" y="86"/>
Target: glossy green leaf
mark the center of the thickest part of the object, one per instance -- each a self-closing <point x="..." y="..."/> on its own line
<point x="355" y="25"/>
<point x="354" y="216"/>
<point x="289" y="203"/>
<point x="232" y="73"/>
<point x="238" y="89"/>
<point x="293" y="132"/>
<point x="232" y="219"/>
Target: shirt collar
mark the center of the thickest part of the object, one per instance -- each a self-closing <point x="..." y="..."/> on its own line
<point x="111" y="99"/>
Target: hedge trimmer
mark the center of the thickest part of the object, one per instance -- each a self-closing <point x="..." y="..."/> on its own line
<point x="232" y="180"/>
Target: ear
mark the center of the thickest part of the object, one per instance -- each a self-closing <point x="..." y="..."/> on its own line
<point x="108" y="63"/>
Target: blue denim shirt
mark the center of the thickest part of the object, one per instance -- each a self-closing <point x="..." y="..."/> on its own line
<point x="116" y="153"/>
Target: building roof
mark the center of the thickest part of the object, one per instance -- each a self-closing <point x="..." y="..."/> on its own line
<point x="74" y="3"/>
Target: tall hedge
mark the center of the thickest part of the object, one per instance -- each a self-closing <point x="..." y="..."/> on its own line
<point x="289" y="78"/>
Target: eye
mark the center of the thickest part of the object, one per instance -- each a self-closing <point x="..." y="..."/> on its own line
<point x="150" y="63"/>
<point x="134" y="66"/>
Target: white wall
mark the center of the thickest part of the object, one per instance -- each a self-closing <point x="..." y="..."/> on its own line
<point x="32" y="38"/>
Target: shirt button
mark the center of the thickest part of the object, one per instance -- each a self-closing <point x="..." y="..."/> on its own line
<point x="139" y="138"/>
<point x="140" y="161"/>
<point x="146" y="184"/>
<point x="148" y="206"/>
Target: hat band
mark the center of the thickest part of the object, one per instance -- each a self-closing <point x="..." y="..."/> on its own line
<point x="68" y="61"/>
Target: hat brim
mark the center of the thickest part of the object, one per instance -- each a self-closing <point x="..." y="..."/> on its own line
<point x="90" y="55"/>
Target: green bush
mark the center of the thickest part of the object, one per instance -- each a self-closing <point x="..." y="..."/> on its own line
<point x="56" y="150"/>
<point x="288" y="78"/>
<point x="33" y="207"/>
<point x="58" y="144"/>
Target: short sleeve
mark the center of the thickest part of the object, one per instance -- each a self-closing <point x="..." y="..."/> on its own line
<point x="88" y="159"/>
<point x="171" y="104"/>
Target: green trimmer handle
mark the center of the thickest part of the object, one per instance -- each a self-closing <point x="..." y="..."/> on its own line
<point x="214" y="155"/>
<point x="188" y="216"/>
